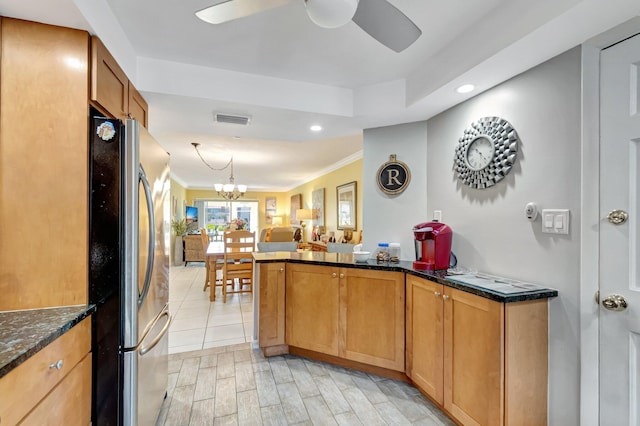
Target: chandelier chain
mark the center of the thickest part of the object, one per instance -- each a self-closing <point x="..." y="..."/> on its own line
<point x="232" y="194"/>
<point x="230" y="163"/>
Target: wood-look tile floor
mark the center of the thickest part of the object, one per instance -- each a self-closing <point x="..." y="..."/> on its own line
<point x="236" y="385"/>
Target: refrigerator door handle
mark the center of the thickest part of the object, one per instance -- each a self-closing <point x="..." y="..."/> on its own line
<point x="142" y="177"/>
<point x="142" y="349"/>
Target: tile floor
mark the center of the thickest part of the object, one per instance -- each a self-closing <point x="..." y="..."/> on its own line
<point x="236" y="385"/>
<point x="217" y="377"/>
<point x="199" y="323"/>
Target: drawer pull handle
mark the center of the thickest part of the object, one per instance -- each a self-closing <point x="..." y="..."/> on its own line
<point x="57" y="365"/>
<point x="445" y="297"/>
<point x="334" y="275"/>
<point x="437" y="293"/>
<point x="281" y="269"/>
<point x="341" y="275"/>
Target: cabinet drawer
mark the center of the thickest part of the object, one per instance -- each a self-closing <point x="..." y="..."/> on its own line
<point x="30" y="382"/>
<point x="69" y="403"/>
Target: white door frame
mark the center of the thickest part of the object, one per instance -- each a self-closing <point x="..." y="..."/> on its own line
<point x="589" y="236"/>
<point x="590" y="221"/>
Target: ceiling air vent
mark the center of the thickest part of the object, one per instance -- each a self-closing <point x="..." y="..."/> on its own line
<point x="231" y="119"/>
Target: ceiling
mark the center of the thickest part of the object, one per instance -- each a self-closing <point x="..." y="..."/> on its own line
<point x="286" y="73"/>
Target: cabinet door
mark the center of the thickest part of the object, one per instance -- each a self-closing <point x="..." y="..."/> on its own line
<point x="473" y="358"/>
<point x="372" y="317"/>
<point x="271" y="317"/>
<point x="425" y="335"/>
<point x="138" y="108"/>
<point x="109" y="84"/>
<point x="43" y="165"/>
<point x="312" y="308"/>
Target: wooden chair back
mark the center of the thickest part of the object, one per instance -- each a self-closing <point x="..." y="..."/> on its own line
<point x="237" y="268"/>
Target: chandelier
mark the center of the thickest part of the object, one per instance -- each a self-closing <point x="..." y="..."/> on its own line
<point x="228" y="191"/>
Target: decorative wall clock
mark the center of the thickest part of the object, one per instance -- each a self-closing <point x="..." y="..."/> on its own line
<point x="486" y="152"/>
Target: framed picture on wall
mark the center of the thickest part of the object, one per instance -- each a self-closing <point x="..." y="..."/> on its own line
<point x="269" y="209"/>
<point x="317" y="204"/>
<point x="346" y="205"/>
<point x="296" y="203"/>
<point x="174" y="207"/>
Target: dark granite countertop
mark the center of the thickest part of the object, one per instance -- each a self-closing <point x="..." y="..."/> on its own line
<point x="24" y="333"/>
<point x="346" y="260"/>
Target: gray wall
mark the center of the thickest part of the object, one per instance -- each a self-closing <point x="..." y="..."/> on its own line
<point x="491" y="233"/>
<point x="389" y="218"/>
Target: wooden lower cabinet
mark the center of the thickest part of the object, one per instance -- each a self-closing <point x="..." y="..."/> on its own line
<point x="312" y="308"/>
<point x="425" y="316"/>
<point x="53" y="387"/>
<point x="372" y="317"/>
<point x="271" y="280"/>
<point x="69" y="403"/>
<point x="483" y="361"/>
<point x="349" y="313"/>
<point x="473" y="364"/>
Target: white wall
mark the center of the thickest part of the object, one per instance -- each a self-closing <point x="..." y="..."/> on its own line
<point x="491" y="233"/>
<point x="390" y="218"/>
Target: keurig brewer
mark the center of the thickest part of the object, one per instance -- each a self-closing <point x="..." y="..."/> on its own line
<point x="433" y="246"/>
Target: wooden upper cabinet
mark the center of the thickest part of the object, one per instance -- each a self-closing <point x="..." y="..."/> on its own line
<point x="111" y="90"/>
<point x="109" y="84"/>
<point x="138" y="108"/>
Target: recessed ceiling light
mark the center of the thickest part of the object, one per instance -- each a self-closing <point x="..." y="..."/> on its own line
<point x="316" y="128"/>
<point x="465" y="88"/>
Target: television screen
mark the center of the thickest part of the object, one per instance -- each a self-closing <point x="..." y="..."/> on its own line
<point x="191" y="214"/>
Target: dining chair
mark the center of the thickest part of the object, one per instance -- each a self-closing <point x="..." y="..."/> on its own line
<point x="212" y="265"/>
<point x="237" y="265"/>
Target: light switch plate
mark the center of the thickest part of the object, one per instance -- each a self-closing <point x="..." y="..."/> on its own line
<point x="555" y="221"/>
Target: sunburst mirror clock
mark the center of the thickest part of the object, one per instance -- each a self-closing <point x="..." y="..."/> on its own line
<point x="486" y="152"/>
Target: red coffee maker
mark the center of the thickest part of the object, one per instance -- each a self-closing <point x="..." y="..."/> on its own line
<point x="433" y="246"/>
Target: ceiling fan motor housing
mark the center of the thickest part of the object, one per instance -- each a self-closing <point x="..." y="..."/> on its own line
<point x="331" y="13"/>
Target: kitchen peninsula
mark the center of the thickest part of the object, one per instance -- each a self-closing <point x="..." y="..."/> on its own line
<point x="479" y="354"/>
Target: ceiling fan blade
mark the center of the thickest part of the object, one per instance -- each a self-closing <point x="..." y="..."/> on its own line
<point x="384" y="22"/>
<point x="234" y="9"/>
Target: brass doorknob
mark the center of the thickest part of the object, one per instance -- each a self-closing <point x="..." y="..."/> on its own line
<point x="617" y="217"/>
<point x="614" y="302"/>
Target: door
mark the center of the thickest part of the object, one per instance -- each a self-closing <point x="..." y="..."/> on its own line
<point x="619" y="333"/>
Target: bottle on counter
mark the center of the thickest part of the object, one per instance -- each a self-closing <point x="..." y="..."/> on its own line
<point x="382" y="253"/>
<point x="394" y="252"/>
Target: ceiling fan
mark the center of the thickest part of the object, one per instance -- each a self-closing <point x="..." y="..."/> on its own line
<point x="378" y="18"/>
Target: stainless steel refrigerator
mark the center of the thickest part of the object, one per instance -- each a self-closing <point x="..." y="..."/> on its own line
<point x="129" y="271"/>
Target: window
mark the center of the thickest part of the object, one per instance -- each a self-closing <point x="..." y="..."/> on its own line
<point x="216" y="213"/>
